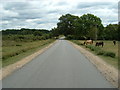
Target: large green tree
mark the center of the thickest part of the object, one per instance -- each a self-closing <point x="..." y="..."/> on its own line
<point x="86" y="26"/>
<point x="66" y="25"/>
<point x="111" y="32"/>
<point x="55" y="32"/>
<point x="91" y="26"/>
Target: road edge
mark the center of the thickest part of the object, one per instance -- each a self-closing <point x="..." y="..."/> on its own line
<point x="108" y="71"/>
<point x="4" y="72"/>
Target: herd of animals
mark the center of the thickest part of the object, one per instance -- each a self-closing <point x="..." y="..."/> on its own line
<point x="100" y="43"/>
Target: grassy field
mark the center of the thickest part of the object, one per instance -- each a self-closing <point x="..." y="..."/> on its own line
<point x="13" y="51"/>
<point x="108" y="47"/>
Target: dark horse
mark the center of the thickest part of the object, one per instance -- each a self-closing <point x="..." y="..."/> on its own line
<point x="114" y="42"/>
<point x="99" y="44"/>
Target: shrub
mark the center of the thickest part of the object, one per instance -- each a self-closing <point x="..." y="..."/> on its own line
<point x="18" y="45"/>
<point x="101" y="52"/>
<point x="69" y="37"/>
<point x="111" y="54"/>
<point x="87" y="46"/>
<point x="23" y="50"/>
<point x="93" y="48"/>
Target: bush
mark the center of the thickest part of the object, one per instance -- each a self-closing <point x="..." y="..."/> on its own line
<point x="69" y="37"/>
<point x="81" y="44"/>
<point x="93" y="48"/>
<point x="101" y="52"/>
<point x="87" y="46"/>
<point x="18" y="45"/>
<point x="111" y="54"/>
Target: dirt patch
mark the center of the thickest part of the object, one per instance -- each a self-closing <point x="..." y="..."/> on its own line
<point x="11" y="68"/>
<point x="110" y="73"/>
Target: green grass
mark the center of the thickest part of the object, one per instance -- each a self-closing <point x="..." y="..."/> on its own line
<point x="15" y="51"/>
<point x="107" y="52"/>
<point x="110" y="47"/>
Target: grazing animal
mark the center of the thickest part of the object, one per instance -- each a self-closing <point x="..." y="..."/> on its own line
<point x="88" y="42"/>
<point x="114" y="42"/>
<point x="99" y="44"/>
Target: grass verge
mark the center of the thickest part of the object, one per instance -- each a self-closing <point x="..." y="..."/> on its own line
<point x="109" y="53"/>
<point x="15" y="51"/>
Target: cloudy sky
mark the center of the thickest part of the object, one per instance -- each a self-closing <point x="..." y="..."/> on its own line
<point x="44" y="14"/>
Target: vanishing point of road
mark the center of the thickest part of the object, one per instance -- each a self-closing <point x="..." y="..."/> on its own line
<point x="61" y="66"/>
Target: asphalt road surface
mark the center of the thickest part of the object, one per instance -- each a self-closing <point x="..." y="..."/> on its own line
<point x="61" y="66"/>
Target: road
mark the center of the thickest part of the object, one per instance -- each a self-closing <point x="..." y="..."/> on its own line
<point x="61" y="66"/>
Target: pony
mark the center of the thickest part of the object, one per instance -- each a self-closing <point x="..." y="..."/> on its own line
<point x="88" y="42"/>
<point x="114" y="42"/>
<point x="99" y="44"/>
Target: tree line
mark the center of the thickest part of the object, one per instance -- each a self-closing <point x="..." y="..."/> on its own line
<point x="25" y="34"/>
<point x="87" y="26"/>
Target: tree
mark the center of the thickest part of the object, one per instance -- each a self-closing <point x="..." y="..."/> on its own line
<point x="84" y="27"/>
<point x="37" y="33"/>
<point x="91" y="24"/>
<point x="66" y="24"/>
<point x="111" y="32"/>
<point x="55" y="32"/>
<point x="119" y="32"/>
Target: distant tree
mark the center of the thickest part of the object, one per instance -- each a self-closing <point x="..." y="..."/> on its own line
<point x="90" y="25"/>
<point x="37" y="33"/>
<point x="86" y="26"/>
<point x="55" y="32"/>
<point x="111" y="32"/>
<point x="118" y="31"/>
<point x="66" y="24"/>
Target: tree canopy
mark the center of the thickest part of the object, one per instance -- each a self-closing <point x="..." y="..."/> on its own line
<point x="87" y="26"/>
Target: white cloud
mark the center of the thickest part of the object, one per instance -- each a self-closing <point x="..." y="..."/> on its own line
<point x="45" y="13"/>
<point x="7" y="13"/>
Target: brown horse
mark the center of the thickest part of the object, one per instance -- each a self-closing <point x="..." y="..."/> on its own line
<point x="88" y="42"/>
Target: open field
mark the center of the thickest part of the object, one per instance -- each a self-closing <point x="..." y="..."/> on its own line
<point x="13" y="51"/>
<point x="108" y="47"/>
